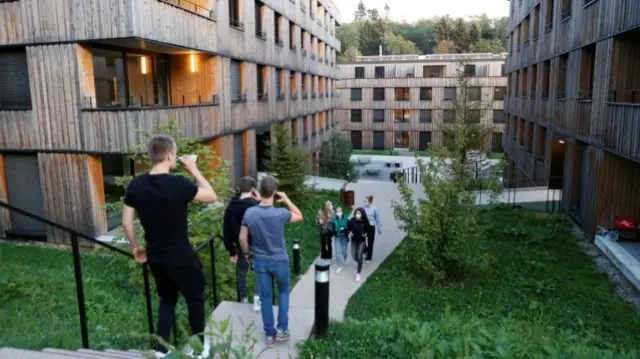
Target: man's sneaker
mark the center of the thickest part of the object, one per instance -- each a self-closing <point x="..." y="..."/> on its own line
<point x="338" y="270"/>
<point x="368" y="262"/>
<point x="357" y="277"/>
<point x="161" y="354"/>
<point x="283" y="336"/>
<point x="271" y="341"/>
<point x="256" y="303"/>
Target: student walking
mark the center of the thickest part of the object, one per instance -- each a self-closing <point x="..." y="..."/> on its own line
<point x="358" y="228"/>
<point x="325" y="221"/>
<point x="340" y="222"/>
<point x="246" y="198"/>
<point x="161" y="201"/>
<point x="265" y="224"/>
<point x="375" y="224"/>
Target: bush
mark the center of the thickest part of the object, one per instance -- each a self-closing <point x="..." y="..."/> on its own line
<point x="334" y="163"/>
<point x="452" y="337"/>
<point x="288" y="163"/>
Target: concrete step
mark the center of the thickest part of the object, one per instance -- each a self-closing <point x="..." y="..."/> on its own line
<point x="11" y="353"/>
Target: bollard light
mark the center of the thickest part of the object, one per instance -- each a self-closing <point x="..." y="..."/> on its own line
<point x="296" y="257"/>
<point x="322" y="298"/>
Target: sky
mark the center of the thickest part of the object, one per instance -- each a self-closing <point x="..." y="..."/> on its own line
<point x="412" y="10"/>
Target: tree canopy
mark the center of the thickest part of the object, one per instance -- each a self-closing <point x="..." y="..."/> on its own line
<point x="369" y="30"/>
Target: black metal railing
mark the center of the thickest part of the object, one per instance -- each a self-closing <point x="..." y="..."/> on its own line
<point x="548" y="27"/>
<point x="236" y="24"/>
<point x="78" y="274"/>
<point x="138" y="102"/>
<point x="261" y="34"/>
<point x="565" y="14"/>
<point x="279" y="42"/>
<point x="292" y="46"/>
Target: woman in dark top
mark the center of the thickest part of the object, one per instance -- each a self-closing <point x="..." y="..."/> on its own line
<point x="358" y="227"/>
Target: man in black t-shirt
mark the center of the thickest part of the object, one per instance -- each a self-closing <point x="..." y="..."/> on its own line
<point x="161" y="201"/>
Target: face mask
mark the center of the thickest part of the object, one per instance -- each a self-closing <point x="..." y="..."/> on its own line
<point x="339" y="214"/>
<point x="358" y="216"/>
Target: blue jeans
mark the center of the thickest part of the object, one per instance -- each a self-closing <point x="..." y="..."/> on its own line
<point x="341" y="250"/>
<point x="266" y="272"/>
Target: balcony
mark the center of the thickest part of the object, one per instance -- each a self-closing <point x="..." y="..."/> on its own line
<point x="191" y="7"/>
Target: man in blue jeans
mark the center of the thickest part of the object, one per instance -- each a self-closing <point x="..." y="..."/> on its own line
<point x="269" y="252"/>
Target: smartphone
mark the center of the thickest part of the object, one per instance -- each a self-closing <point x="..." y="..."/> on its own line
<point x="276" y="197"/>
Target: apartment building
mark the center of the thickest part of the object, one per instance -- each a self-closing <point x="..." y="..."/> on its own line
<point x="79" y="78"/>
<point x="573" y="107"/>
<point x="403" y="101"/>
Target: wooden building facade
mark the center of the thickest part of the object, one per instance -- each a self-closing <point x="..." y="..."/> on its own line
<point x="573" y="106"/>
<point x="403" y="101"/>
<point x="80" y="78"/>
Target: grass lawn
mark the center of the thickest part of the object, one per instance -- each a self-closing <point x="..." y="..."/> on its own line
<point x="543" y="279"/>
<point x="38" y="305"/>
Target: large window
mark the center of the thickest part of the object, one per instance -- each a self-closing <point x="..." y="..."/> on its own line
<point x="378" y="94"/>
<point x="402" y="94"/>
<point x="235" y="16"/>
<point x="237" y="82"/>
<point x="587" y="69"/>
<point x="561" y="89"/>
<point x="449" y="93"/>
<point x="260" y="9"/>
<point x="262" y="76"/>
<point x="449" y="116"/>
<point x="425" y="94"/>
<point x="379" y="72"/>
<point x="356" y="94"/>
<point x="475" y="93"/>
<point x="378" y="140"/>
<point x="499" y="93"/>
<point x="277" y="28"/>
<point x="424" y="140"/>
<point x="129" y="79"/>
<point x="378" y="116"/>
<point x="14" y="80"/>
<point x="498" y="116"/>
<point x="425" y="116"/>
<point x="359" y="72"/>
<point x="356" y="115"/>
<point x="433" y="71"/>
<point x="496" y="142"/>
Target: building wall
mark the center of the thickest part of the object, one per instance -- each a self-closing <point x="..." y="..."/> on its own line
<point x="574" y="82"/>
<point x="64" y="124"/>
<point x="409" y="71"/>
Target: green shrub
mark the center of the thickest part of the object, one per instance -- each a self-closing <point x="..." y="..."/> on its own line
<point x="452" y="337"/>
<point x="288" y="163"/>
<point x="334" y="162"/>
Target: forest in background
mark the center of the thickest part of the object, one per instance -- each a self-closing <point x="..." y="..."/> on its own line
<point x="370" y="28"/>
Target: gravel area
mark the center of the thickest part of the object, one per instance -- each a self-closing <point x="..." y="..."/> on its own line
<point x="620" y="284"/>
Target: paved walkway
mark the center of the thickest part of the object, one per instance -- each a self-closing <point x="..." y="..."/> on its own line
<point x="342" y="286"/>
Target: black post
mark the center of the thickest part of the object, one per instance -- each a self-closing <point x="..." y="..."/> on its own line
<point x="77" y="269"/>
<point x="147" y="295"/>
<point x="214" y="282"/>
<point x="296" y="256"/>
<point x="322" y="298"/>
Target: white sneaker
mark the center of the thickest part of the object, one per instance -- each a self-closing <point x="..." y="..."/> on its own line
<point x="357" y="277"/>
<point x="256" y="303"/>
<point x="338" y="270"/>
<point x="368" y="262"/>
<point x="161" y="354"/>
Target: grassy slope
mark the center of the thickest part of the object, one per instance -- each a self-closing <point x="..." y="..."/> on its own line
<point x="38" y="300"/>
<point x="553" y="284"/>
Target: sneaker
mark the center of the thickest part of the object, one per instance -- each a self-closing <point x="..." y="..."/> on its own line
<point x="271" y="341"/>
<point x="256" y="303"/>
<point x="368" y="262"/>
<point x="161" y="354"/>
<point x="338" y="270"/>
<point x="357" y="277"/>
<point x="244" y="300"/>
<point x="283" y="336"/>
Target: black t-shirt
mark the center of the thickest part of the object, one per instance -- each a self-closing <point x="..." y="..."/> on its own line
<point x="161" y="202"/>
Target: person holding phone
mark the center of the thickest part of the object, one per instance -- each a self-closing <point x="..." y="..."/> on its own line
<point x="246" y="198"/>
<point x="161" y="201"/>
<point x="265" y="224"/>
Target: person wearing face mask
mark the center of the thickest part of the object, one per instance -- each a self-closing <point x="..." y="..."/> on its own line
<point x="340" y="223"/>
<point x="375" y="223"/>
<point x="358" y="227"/>
<point x="324" y="221"/>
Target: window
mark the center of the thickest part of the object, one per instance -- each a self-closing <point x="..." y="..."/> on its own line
<point x="294" y="130"/>
<point x="356" y="140"/>
<point x="145" y="83"/>
<point x="546" y="79"/>
<point x="359" y="72"/>
<point x="529" y="136"/>
<point x="356" y="94"/>
<point x="14" y="86"/>
<point x="263" y="75"/>
<point x="305" y="85"/>
<point x="498" y="116"/>
<point x="433" y="71"/>
<point x="402" y="94"/>
<point x="280" y="84"/>
<point x="499" y="93"/>
<point x="378" y="116"/>
<point x="401" y="139"/>
<point x="356" y="115"/>
<point x="293" y="85"/>
<point x="378" y="94"/>
<point x="502" y="70"/>
<point x="525" y="32"/>
<point x="474" y="93"/>
<point x="548" y="18"/>
<point x="402" y="116"/>
<point x="521" y="132"/>
<point x="469" y="70"/>
<point x="424" y="140"/>
<point x="561" y="90"/>
<point x="474" y="116"/>
<point x="277" y="27"/>
<point x="524" y="83"/>
<point x="292" y="36"/>
<point x="237" y="82"/>
<point x="542" y="143"/>
<point x="624" y="81"/>
<point x="496" y="142"/>
<point x="566" y="10"/>
<point x="449" y="93"/>
<point x="379" y="72"/>
<point x="425" y="116"/>
<point x="449" y="116"/>
<point x="235" y="17"/>
<point x="536" y="22"/>
<point x="260" y="10"/>
<point x="587" y="68"/>
<point x="378" y="140"/>
<point x="425" y="93"/>
<point x="534" y="80"/>
<point x="303" y="44"/>
<point x="518" y="75"/>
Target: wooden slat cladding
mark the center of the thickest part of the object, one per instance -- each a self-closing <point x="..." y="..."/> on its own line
<point x="81" y="206"/>
<point x="193" y="78"/>
<point x="418" y="69"/>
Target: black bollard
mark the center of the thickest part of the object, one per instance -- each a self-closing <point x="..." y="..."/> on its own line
<point x="296" y="257"/>
<point x="322" y="298"/>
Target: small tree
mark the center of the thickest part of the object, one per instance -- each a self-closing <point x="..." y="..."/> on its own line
<point x="288" y="163"/>
<point x="336" y="152"/>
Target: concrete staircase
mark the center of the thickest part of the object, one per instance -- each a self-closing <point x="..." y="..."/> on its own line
<point x="50" y="353"/>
